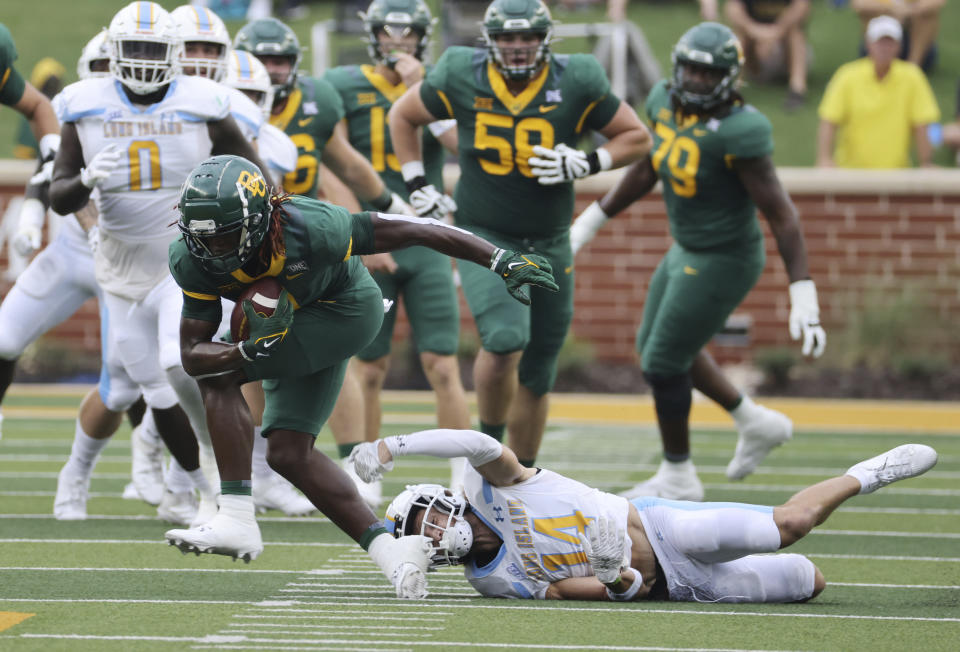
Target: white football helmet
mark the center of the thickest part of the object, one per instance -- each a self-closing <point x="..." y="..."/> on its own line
<point x="200" y="25"/>
<point x="144" y="47"/>
<point x="95" y="50"/>
<point x="248" y="75"/>
<point x="457" y="535"/>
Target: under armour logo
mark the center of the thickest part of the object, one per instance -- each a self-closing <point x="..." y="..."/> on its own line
<point x="499" y="517"/>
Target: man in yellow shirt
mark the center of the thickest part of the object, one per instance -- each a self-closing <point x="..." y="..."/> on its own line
<point x="872" y="107"/>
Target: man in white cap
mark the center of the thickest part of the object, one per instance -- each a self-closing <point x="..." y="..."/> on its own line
<point x="920" y="20"/>
<point x="874" y="106"/>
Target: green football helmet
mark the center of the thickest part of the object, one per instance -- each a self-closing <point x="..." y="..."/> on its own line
<point x="713" y="47"/>
<point x="269" y="36"/>
<point x="224" y="212"/>
<point x="517" y="17"/>
<point x="396" y="18"/>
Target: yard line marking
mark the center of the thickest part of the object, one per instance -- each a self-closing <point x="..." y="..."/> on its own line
<point x="951" y="560"/>
<point x="294" y="625"/>
<point x="351" y="618"/>
<point x="54" y="474"/>
<point x="115" y="601"/>
<point x="795" y="488"/>
<point x="153" y="517"/>
<point x="316" y="648"/>
<point x="888" y="533"/>
<point x="165" y="570"/>
<point x="896" y="586"/>
<point x="312" y="544"/>
<point x="637" y="607"/>
<point x="900" y="510"/>
<point x="216" y="638"/>
<point x="454" y="644"/>
<point x="251" y="630"/>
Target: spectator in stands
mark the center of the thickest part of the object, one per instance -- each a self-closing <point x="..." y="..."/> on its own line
<point x="709" y="10"/>
<point x="773" y="33"/>
<point x="920" y="18"/>
<point x="875" y="103"/>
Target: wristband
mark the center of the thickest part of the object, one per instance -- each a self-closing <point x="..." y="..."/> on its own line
<point x="630" y="593"/>
<point x="495" y="258"/>
<point x="243" y="352"/>
<point x="412" y="170"/>
<point x="599" y="160"/>
<point x="383" y="201"/>
<point x="415" y="183"/>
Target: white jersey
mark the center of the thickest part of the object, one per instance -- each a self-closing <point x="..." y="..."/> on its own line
<point x="245" y="113"/>
<point x="277" y="151"/>
<point x="539" y="521"/>
<point x="162" y="143"/>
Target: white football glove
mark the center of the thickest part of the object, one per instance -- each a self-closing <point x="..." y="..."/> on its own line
<point x="586" y="226"/>
<point x="602" y="543"/>
<point x="805" y="318"/>
<point x="48" y="146"/>
<point x="29" y="233"/>
<point x="430" y="202"/>
<point x="399" y="207"/>
<point x="366" y="461"/>
<point x="100" y="167"/>
<point x="43" y="175"/>
<point x="558" y="165"/>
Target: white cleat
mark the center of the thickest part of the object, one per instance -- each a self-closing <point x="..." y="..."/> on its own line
<point x="370" y="492"/>
<point x="274" y="492"/>
<point x="668" y="483"/>
<point x="206" y="511"/>
<point x="409" y="576"/>
<point x="179" y="508"/>
<point x="146" y="469"/>
<point x="900" y="463"/>
<point x="70" y="502"/>
<point x="222" y="535"/>
<point x="766" y="430"/>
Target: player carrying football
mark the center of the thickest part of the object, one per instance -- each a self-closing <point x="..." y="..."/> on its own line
<point x="712" y="151"/>
<point x="236" y="230"/>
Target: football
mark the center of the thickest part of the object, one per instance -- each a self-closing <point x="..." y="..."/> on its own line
<point x="264" y="295"/>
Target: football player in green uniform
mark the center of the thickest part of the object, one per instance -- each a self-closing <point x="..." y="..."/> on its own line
<point x="26" y="99"/>
<point x="236" y="230"/>
<point x="310" y="111"/>
<point x="398" y="32"/>
<point x="712" y="151"/>
<point x="520" y="111"/>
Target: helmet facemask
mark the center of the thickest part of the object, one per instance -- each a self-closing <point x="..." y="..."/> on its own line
<point x="521" y="59"/>
<point x="206" y="42"/>
<point x="700" y="85"/>
<point x="438" y="514"/>
<point x="268" y="37"/>
<point x="144" y="47"/>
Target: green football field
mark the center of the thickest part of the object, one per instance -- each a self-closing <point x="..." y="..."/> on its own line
<point x="892" y="559"/>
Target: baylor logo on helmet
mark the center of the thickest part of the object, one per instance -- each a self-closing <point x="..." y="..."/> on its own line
<point x="253" y="182"/>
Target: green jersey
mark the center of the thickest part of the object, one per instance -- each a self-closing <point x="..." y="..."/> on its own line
<point x="318" y="263"/>
<point x="312" y="111"/>
<point x="11" y="83"/>
<point x="707" y="204"/>
<point x="498" y="130"/>
<point x="367" y="97"/>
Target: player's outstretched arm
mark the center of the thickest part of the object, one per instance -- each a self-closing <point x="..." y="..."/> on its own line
<point x="494" y="461"/>
<point x="637" y="181"/>
<point x="393" y="232"/>
<point x="759" y="177"/>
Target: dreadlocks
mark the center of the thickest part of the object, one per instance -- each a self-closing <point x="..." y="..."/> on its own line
<point x="278" y="215"/>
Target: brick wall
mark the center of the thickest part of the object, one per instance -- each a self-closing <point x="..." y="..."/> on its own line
<point x="866" y="233"/>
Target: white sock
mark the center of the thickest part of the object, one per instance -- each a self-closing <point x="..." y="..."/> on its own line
<point x="685" y="467"/>
<point x="260" y="466"/>
<point x="745" y="411"/>
<point x="85" y="450"/>
<point x="382" y="553"/>
<point x="859" y="474"/>
<point x="176" y="478"/>
<point x="199" y="480"/>
<point x="239" y="507"/>
<point x="148" y="429"/>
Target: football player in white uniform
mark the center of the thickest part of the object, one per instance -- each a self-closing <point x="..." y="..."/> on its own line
<point x="52" y="288"/>
<point x="206" y="53"/>
<point x="135" y="136"/>
<point x="531" y="533"/>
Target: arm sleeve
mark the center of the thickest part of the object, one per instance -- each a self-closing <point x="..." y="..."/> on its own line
<point x="923" y="107"/>
<point x="478" y="448"/>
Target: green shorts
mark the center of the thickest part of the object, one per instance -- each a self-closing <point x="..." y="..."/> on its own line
<point x="425" y="280"/>
<point x="691" y="294"/>
<point x="506" y="325"/>
<point x="302" y="378"/>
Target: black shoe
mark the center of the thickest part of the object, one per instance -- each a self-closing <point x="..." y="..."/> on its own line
<point x="794" y="101"/>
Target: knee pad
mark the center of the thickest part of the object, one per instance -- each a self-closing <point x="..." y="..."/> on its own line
<point x="671" y="395"/>
<point x="505" y="339"/>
